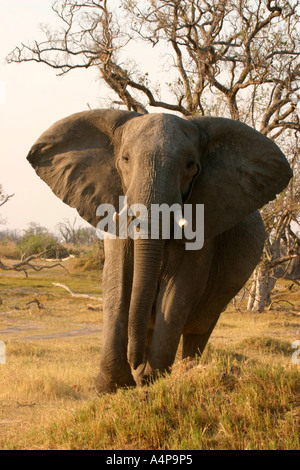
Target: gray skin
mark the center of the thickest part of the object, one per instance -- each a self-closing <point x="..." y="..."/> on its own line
<point x="154" y="291"/>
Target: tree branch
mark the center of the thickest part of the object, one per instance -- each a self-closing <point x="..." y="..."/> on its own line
<point x="6" y="198"/>
<point x="25" y="264"/>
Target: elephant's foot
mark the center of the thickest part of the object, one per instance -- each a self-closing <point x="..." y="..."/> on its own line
<point x="145" y="375"/>
<point x="107" y="384"/>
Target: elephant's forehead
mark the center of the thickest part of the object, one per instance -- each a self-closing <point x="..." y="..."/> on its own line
<point x="159" y="130"/>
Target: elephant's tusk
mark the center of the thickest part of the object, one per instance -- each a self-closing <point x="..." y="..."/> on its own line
<point x="182" y="223"/>
<point x="179" y="219"/>
<point x="116" y="216"/>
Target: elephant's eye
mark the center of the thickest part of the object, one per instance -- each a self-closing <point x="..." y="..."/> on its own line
<point x="190" y="164"/>
<point x="125" y="158"/>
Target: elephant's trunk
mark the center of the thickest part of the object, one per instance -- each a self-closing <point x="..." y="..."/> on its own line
<point x="147" y="262"/>
<point x="156" y="189"/>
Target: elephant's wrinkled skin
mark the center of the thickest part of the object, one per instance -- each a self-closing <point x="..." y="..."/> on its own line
<point x="155" y="290"/>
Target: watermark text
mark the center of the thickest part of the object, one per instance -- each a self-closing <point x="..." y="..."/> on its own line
<point x="137" y="221"/>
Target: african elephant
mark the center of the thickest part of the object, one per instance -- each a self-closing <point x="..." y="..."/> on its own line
<point x="154" y="290"/>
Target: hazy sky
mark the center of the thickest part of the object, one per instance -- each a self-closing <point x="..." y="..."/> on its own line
<point x="34" y="99"/>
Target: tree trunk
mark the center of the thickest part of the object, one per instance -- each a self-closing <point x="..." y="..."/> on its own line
<point x="262" y="289"/>
<point x="263" y="283"/>
<point x="252" y="292"/>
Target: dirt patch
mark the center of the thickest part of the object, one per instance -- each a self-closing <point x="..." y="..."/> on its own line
<point x="21" y="326"/>
<point x="63" y="334"/>
<point x="19" y="329"/>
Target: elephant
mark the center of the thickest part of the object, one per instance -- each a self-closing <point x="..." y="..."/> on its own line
<point x="155" y="291"/>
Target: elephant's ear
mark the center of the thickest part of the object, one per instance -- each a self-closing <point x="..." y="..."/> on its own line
<point x="241" y="171"/>
<point x="75" y="157"/>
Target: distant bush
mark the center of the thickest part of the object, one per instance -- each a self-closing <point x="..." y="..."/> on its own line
<point x="8" y="235"/>
<point x="38" y="240"/>
<point x="91" y="259"/>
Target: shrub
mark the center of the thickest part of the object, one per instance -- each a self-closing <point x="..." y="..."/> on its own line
<point x="35" y="242"/>
<point x="92" y="259"/>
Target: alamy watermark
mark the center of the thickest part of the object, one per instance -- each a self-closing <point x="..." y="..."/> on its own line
<point x="2" y="353"/>
<point x="115" y="224"/>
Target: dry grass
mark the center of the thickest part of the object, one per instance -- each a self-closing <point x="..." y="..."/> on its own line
<point x="8" y="249"/>
<point x="244" y="393"/>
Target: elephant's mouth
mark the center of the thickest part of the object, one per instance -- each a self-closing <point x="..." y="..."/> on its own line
<point x="188" y="193"/>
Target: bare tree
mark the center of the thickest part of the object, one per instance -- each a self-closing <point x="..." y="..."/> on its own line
<point x="4" y="198"/>
<point x="71" y="233"/>
<point x="217" y="48"/>
<point x="241" y="54"/>
<point x="235" y="58"/>
<point x="67" y="230"/>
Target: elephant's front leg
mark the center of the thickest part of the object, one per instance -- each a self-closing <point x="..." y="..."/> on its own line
<point x="117" y="281"/>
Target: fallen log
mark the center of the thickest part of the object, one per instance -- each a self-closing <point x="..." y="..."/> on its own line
<point x="59" y="259"/>
<point x="74" y="294"/>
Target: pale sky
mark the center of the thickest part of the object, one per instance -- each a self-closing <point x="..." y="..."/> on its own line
<point x="34" y="99"/>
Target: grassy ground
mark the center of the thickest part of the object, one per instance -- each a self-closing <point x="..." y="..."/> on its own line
<point x="244" y="393"/>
